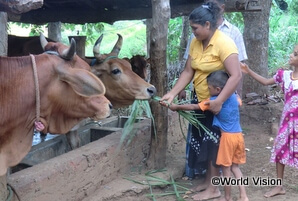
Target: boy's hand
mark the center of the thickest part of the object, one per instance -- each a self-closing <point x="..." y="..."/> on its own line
<point x="244" y="67"/>
<point x="173" y="107"/>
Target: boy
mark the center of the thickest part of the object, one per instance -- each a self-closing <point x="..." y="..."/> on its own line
<point x="231" y="151"/>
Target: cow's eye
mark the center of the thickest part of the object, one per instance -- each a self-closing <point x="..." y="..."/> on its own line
<point x="116" y="71"/>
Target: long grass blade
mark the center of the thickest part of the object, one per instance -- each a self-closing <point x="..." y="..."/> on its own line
<point x="139" y="109"/>
<point x="192" y="118"/>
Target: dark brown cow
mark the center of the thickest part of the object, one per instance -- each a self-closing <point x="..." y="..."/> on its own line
<point x="122" y="84"/>
<point x="68" y="94"/>
<point x="139" y="65"/>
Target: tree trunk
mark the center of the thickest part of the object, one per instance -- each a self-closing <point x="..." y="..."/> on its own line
<point x="158" y="44"/>
<point x="256" y="36"/>
<point x="184" y="37"/>
<point x="54" y="30"/>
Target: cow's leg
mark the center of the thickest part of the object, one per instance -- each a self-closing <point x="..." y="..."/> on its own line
<point x="3" y="188"/>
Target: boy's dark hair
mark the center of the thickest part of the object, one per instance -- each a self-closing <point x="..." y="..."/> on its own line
<point x="218" y="78"/>
<point x="221" y="2"/>
<point x="206" y="12"/>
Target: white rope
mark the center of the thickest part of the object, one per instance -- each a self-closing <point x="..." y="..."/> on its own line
<point x="36" y="88"/>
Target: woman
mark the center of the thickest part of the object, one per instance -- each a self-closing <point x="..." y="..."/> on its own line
<point x="210" y="50"/>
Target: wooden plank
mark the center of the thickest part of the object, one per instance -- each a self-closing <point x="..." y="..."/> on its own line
<point x="20" y="6"/>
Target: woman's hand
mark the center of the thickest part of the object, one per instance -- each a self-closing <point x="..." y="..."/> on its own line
<point x="167" y="99"/>
<point x="214" y="106"/>
<point x="182" y="95"/>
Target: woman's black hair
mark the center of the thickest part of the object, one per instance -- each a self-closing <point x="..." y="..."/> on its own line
<point x="206" y="12"/>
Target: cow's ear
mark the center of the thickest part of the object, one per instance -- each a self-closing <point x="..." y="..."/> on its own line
<point x="82" y="81"/>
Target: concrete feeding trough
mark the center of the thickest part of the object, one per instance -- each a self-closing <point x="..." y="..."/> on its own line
<point x="51" y="168"/>
<point x="53" y="145"/>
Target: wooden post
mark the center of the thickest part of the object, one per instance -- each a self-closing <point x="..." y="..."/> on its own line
<point x="161" y="13"/>
<point x="3" y="34"/>
<point x="54" y="31"/>
<point x="81" y="42"/>
<point x="3" y="52"/>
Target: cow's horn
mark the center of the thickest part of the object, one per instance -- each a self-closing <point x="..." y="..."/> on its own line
<point x="96" y="48"/>
<point x="70" y="52"/>
<point x="43" y="41"/>
<point x="118" y="45"/>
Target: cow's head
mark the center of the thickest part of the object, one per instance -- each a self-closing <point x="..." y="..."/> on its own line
<point x="123" y="86"/>
<point x="65" y="52"/>
<point x="74" y="92"/>
<point x="139" y="65"/>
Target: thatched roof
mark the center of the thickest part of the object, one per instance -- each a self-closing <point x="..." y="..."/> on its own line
<point x="90" y="11"/>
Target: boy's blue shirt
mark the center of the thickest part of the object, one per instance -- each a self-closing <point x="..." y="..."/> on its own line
<point x="228" y="119"/>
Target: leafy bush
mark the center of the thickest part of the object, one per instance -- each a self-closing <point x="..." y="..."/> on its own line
<point x="283" y="34"/>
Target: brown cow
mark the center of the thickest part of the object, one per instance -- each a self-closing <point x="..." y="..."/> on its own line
<point x="68" y="94"/>
<point x="122" y="84"/>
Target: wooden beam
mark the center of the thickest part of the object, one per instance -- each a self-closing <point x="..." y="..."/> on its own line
<point x="19" y="6"/>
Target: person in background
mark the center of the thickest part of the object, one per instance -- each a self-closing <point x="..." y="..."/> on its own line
<point x="211" y="50"/>
<point x="285" y="148"/>
<point x="233" y="32"/>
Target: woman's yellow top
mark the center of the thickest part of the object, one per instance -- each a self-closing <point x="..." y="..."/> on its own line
<point x="211" y="59"/>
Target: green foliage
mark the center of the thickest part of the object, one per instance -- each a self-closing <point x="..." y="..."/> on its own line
<point x="283" y="34"/>
<point x="236" y="19"/>
<point x="34" y="29"/>
<point x="134" y="38"/>
<point x="174" y="37"/>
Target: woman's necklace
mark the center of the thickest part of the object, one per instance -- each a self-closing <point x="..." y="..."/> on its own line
<point x="292" y="76"/>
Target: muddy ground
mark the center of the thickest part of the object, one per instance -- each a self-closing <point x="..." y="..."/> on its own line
<point x="259" y="123"/>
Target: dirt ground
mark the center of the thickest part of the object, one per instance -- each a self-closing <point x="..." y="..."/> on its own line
<point x="259" y="124"/>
